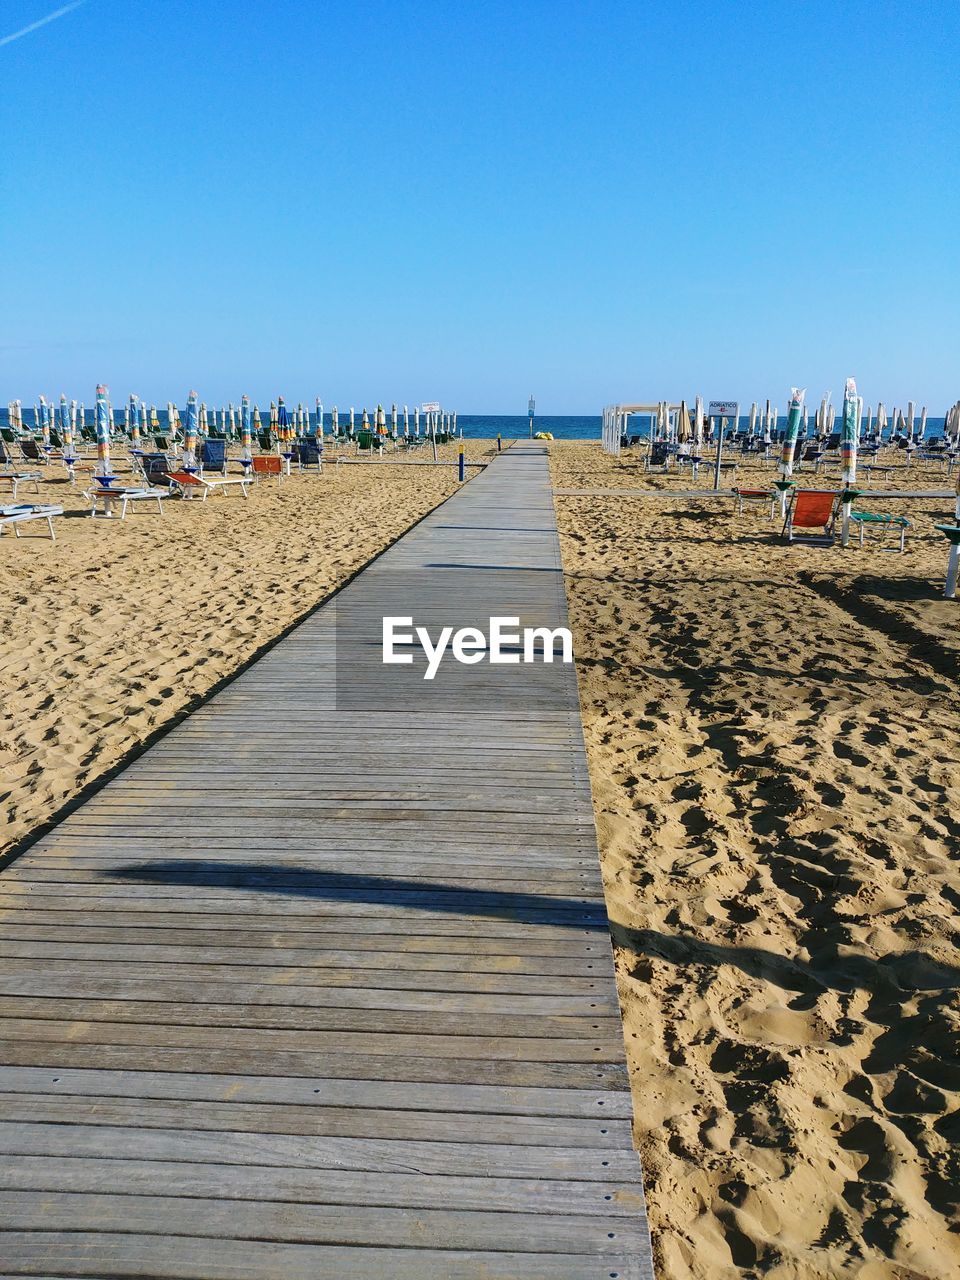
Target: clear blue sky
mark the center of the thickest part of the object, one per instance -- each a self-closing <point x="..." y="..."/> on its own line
<point x="475" y="201"/>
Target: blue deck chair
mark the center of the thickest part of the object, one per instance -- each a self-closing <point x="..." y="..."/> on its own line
<point x="213" y="456"/>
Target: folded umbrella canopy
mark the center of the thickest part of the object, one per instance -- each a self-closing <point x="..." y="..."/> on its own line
<point x="102" y="422"/>
<point x="683" y="424"/>
<point x="319" y="412"/>
<point x="246" y="437"/>
<point x="44" y="419"/>
<point x="190" y="429"/>
<point x="66" y="429"/>
<point x="406" y="421"/>
<point x="283" y="428"/>
<point x="133" y="421"/>
<point x="335" y="422"/>
<point x="794" y="416"/>
<point x="850" y="434"/>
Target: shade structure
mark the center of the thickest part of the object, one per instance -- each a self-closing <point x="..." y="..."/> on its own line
<point x="335" y="422"/>
<point x="881" y="420"/>
<point x="393" y="421"/>
<point x="380" y="421"/>
<point x="364" y="422"/>
<point x="246" y="436"/>
<point x="44" y="419"/>
<point x="794" y="417"/>
<point x="102" y="423"/>
<point x="232" y="417"/>
<point x="190" y="430"/>
<point x="849" y="436"/>
<point x="133" y="418"/>
<point x="273" y="416"/>
<point x="684" y="430"/>
<point x="406" y="421"/>
<point x="753" y="419"/>
<point x="66" y="428"/>
<point x="282" y="421"/>
<point x="318" y="409"/>
<point x="351" y="419"/>
<point x="154" y="418"/>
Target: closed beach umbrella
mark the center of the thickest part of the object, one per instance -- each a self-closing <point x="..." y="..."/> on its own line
<point x="923" y="423"/>
<point x="881" y="420"/>
<point x="319" y="413"/>
<point x="102" y="421"/>
<point x="44" y="419"/>
<point x="335" y="422"/>
<point x="698" y="421"/>
<point x="393" y="421"/>
<point x="257" y="424"/>
<point x="351" y="419"/>
<point x="753" y="419"/>
<point x="790" y="438"/>
<point x="232" y="417"/>
<point x="133" y="429"/>
<point x="66" y="427"/>
<point x="282" y="427"/>
<point x="364" y="422"/>
<point x="246" y="437"/>
<point x="273" y="416"/>
<point x="190" y="430"/>
<point x="683" y="423"/>
<point x="416" y="421"/>
<point x="850" y="429"/>
<point x="406" y="421"/>
<point x="154" y="418"/>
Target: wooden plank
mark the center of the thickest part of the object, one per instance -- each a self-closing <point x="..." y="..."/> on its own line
<point x="376" y="1226"/>
<point x="318" y="1186"/>
<point x="405" y="1096"/>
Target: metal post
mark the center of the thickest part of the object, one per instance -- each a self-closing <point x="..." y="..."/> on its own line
<point x="499" y="443"/>
<point x="950" y="590"/>
<point x="531" y="407"/>
<point x="716" y="464"/>
<point x="461" y="467"/>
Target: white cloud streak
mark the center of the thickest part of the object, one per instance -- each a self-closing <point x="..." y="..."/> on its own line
<point x="42" y="22"/>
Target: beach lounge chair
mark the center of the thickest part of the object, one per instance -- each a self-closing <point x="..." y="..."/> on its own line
<point x="761" y="497"/>
<point x="659" y="456"/>
<point x="882" y="521"/>
<point x="308" y="454"/>
<point x="190" y="485"/>
<point x="812" y="509"/>
<point x="367" y="441"/>
<point x="109" y="496"/>
<point x="17" y="478"/>
<point x="32" y="451"/>
<point x="22" y="513"/>
<point x="213" y="456"/>
<point x="268" y="464"/>
<point x="155" y="467"/>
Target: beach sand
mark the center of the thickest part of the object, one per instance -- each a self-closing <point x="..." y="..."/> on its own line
<point x="773" y="734"/>
<point x="118" y="628"/>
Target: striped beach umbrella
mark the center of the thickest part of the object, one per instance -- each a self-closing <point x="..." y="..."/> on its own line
<point x="102" y="422"/>
<point x="406" y="421"/>
<point x="246" y="438"/>
<point x="257" y="424"/>
<point x="794" y="416"/>
<point x="416" y="422"/>
<point x="190" y="429"/>
<point x="319" y="412"/>
<point x="282" y="425"/>
<point x="133" y="422"/>
<point x="335" y="422"/>
<point x="154" y="418"/>
<point x="393" y="421"/>
<point x="850" y="431"/>
<point x="364" y="422"/>
<point x="66" y="427"/>
<point x="43" y="417"/>
<point x="273" y="417"/>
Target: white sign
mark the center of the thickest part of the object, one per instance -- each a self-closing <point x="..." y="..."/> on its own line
<point x="722" y="408"/>
<point x="430" y="406"/>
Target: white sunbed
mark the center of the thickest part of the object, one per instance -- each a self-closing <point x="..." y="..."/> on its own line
<point x="190" y="484"/>
<point x="17" y="478"/>
<point x="111" y="495"/>
<point x="22" y="513"/>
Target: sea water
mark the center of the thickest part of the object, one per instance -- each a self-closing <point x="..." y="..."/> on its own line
<point x="487" y="426"/>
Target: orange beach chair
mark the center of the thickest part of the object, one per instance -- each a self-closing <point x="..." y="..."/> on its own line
<point x="812" y="509"/>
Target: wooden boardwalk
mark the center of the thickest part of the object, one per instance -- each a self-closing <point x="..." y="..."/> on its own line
<point x="321" y="985"/>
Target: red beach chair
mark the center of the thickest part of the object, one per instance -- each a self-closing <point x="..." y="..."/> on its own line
<point x="268" y="464"/>
<point x="812" y="509"/>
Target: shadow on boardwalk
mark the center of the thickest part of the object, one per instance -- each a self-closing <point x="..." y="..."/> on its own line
<point x="345" y="886"/>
